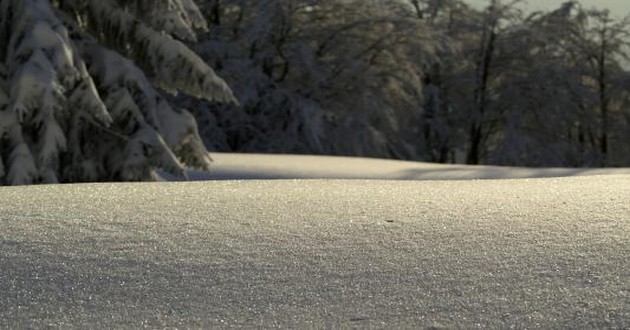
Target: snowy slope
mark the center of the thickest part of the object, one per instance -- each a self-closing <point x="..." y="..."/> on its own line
<point x="266" y="166"/>
<point x="527" y="253"/>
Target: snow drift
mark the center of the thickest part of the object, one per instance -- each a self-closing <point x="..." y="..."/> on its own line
<point x="229" y="166"/>
<point x="527" y="253"/>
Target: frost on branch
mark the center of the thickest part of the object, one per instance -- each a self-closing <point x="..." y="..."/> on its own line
<point x="73" y="110"/>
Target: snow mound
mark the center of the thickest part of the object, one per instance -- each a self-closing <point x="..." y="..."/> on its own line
<point x="229" y="166"/>
<point x="533" y="253"/>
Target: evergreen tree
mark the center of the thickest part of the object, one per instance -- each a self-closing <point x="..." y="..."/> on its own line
<point x="82" y="89"/>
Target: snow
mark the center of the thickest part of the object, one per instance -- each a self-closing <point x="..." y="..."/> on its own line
<point x="228" y="166"/>
<point x="334" y="253"/>
<point x="55" y="125"/>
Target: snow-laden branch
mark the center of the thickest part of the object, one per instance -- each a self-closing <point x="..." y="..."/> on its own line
<point x="173" y="65"/>
<point x="74" y="110"/>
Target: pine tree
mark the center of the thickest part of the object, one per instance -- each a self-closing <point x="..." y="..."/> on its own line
<point x="82" y="89"/>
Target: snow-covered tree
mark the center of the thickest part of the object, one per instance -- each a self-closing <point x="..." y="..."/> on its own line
<point x="453" y="25"/>
<point x="253" y="44"/>
<point x="82" y="87"/>
<point x="597" y="44"/>
<point x="488" y="65"/>
<point x="422" y="79"/>
<point x="562" y="92"/>
<point x="336" y="77"/>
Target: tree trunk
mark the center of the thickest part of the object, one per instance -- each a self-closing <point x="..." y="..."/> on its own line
<point x="215" y="12"/>
<point x="474" y="146"/>
<point x="481" y="95"/>
<point x="603" y="101"/>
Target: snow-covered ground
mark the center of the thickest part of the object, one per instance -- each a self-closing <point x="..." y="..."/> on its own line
<point x="266" y="166"/>
<point x="526" y="253"/>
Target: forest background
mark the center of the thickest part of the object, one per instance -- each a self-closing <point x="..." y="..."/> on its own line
<point x="437" y="81"/>
<point x="104" y="90"/>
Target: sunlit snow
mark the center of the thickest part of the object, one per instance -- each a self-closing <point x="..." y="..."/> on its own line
<point x="268" y="166"/>
<point x="324" y="253"/>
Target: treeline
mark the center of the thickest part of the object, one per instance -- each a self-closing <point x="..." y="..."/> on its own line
<point x="419" y="79"/>
<point x="94" y="90"/>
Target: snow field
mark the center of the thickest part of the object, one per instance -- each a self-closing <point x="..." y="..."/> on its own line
<point x="229" y="166"/>
<point x="530" y="253"/>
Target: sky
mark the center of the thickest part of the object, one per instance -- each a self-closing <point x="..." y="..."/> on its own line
<point x="617" y="7"/>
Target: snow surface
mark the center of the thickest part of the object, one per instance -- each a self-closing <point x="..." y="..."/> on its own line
<point x="527" y="253"/>
<point x="269" y="166"/>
